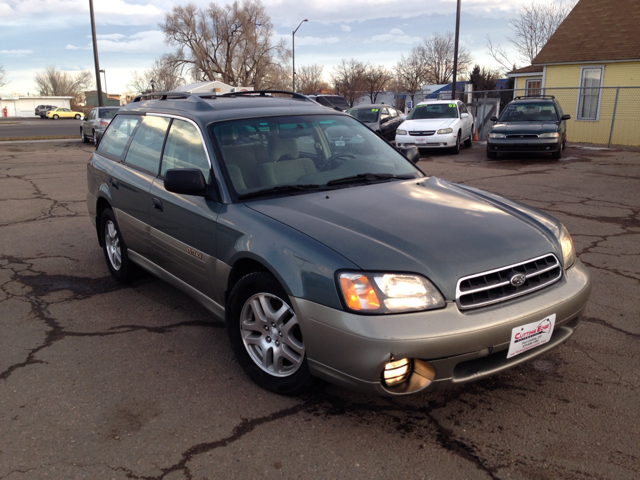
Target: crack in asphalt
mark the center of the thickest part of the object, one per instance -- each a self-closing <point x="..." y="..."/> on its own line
<point x="599" y="321"/>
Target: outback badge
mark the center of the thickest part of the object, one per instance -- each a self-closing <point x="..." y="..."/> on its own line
<point x="191" y="251"/>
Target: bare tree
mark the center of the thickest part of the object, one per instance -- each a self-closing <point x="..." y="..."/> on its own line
<point x="376" y="78"/>
<point x="532" y="28"/>
<point x="483" y="78"/>
<point x="348" y="78"/>
<point x="3" y="77"/>
<point x="309" y="79"/>
<point x="233" y="43"/>
<point x="54" y="82"/>
<point x="437" y="54"/>
<point x="411" y="72"/>
<point x="163" y="72"/>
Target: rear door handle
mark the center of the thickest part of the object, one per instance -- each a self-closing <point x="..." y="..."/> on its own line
<point x="114" y="183"/>
<point x="157" y="204"/>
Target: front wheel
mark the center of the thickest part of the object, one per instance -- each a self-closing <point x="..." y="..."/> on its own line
<point x="114" y="248"/>
<point x="265" y="335"/>
<point x="83" y="137"/>
<point x="557" y="155"/>
<point x="95" y="139"/>
<point x="469" y="141"/>
<point x="491" y="155"/>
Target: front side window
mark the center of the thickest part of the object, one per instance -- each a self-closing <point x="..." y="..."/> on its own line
<point x="589" y="95"/>
<point x="146" y="146"/>
<point x="184" y="149"/>
<point x="305" y="151"/>
<point x="118" y="134"/>
<point x="433" y="110"/>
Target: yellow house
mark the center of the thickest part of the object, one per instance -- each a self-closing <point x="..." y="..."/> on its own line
<point x="591" y="64"/>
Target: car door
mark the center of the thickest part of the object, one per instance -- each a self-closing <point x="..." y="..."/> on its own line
<point x="385" y="123"/>
<point x="183" y="227"/>
<point x="86" y="124"/>
<point x="131" y="179"/>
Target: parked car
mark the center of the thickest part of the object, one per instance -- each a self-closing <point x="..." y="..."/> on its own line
<point x="326" y="258"/>
<point x="380" y="118"/>
<point x="58" y="112"/>
<point x="529" y="124"/>
<point x="337" y="102"/>
<point x="94" y="124"/>
<point x="41" y="110"/>
<point x="437" y="124"/>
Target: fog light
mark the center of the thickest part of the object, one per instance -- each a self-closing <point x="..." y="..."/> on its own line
<point x="397" y="371"/>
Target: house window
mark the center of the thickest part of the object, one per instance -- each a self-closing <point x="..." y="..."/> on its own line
<point x="533" y="87"/>
<point x="589" y="94"/>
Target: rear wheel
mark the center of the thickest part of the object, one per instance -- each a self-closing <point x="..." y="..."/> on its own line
<point x="114" y="248"/>
<point x="265" y="335"/>
<point x="77" y="117"/>
<point x="56" y="117"/>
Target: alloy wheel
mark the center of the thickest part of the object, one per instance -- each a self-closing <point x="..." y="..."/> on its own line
<point x="271" y="335"/>
<point x="112" y="243"/>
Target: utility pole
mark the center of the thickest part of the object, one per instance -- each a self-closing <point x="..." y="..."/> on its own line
<point x="95" y="54"/>
<point x="293" y="56"/>
<point x="455" y="54"/>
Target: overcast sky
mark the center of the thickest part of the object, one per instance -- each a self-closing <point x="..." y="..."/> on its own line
<point x="38" y="33"/>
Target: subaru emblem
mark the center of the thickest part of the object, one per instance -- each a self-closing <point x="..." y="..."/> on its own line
<point x="518" y="279"/>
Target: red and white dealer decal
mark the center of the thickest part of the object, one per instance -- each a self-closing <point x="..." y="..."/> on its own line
<point x="531" y="335"/>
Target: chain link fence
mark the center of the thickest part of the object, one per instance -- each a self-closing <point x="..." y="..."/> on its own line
<point x="605" y="116"/>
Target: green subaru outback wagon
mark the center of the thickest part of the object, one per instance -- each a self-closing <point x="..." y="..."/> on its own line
<point x="324" y="249"/>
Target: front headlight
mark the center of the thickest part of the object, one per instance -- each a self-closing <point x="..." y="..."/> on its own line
<point x="388" y="293"/>
<point x="401" y="132"/>
<point x="568" y="252"/>
<point x="445" y="130"/>
<point x="497" y="135"/>
<point x="549" y="135"/>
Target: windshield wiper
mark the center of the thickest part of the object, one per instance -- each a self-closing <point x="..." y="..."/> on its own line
<point x="279" y="189"/>
<point x="368" y="178"/>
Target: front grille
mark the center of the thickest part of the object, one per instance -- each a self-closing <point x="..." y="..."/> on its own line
<point x="495" y="286"/>
<point x="422" y="134"/>
<point x="533" y="135"/>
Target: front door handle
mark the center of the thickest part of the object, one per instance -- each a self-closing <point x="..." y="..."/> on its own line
<point x="157" y="204"/>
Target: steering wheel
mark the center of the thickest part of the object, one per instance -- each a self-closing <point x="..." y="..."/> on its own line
<point x="333" y="158"/>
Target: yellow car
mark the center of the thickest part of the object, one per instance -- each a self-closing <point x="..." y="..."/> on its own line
<point x="57" y="113"/>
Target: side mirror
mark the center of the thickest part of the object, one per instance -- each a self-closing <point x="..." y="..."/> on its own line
<point x="494" y="118"/>
<point x="464" y="115"/>
<point x="412" y="153"/>
<point x="565" y="117"/>
<point x="186" y="181"/>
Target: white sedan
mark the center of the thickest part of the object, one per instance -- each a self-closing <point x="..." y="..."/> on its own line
<point x="437" y="124"/>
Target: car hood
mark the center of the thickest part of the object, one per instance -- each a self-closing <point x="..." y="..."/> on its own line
<point x="427" y="124"/>
<point x="525" y="127"/>
<point x="427" y="226"/>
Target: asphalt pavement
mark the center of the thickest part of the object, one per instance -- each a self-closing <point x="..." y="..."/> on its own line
<point x="18" y="127"/>
<point x="104" y="381"/>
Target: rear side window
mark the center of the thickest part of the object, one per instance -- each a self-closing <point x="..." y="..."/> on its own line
<point x="117" y="135"/>
<point x="184" y="149"/>
<point x="146" y="146"/>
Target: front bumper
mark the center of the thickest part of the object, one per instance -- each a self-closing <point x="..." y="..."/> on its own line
<point x="512" y="145"/>
<point x="446" y="140"/>
<point x="352" y="350"/>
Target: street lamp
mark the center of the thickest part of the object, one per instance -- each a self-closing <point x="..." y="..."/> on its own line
<point x="293" y="44"/>
<point x="153" y="85"/>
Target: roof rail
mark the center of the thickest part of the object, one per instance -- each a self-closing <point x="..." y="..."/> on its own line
<point x="265" y="93"/>
<point x="173" y="95"/>
<point x="534" y="96"/>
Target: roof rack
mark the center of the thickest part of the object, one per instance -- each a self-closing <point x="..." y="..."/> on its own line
<point x="534" y="96"/>
<point x="265" y="93"/>
<point x="197" y="97"/>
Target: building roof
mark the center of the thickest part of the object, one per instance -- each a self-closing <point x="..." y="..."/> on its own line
<point x="524" y="70"/>
<point x="595" y="30"/>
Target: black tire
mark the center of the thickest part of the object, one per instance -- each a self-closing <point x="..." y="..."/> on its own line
<point x="95" y="139"/>
<point x="112" y="242"/>
<point x="469" y="141"/>
<point x="83" y="136"/>
<point x="491" y="155"/>
<point x="252" y="291"/>
<point x="557" y="155"/>
<point x="456" y="150"/>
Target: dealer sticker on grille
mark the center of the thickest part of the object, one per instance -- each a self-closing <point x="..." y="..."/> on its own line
<point x="531" y="335"/>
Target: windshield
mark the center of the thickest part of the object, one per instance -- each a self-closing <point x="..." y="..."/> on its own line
<point x="304" y="150"/>
<point x="433" y="110"/>
<point x="529" y="112"/>
<point x="107" y="112"/>
<point x="366" y="115"/>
